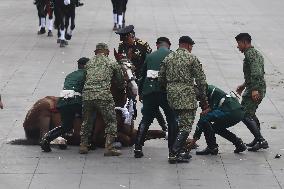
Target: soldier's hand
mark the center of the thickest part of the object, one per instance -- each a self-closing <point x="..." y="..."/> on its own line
<point x="255" y="96"/>
<point x="191" y="144"/>
<point x="205" y="111"/>
<point x="240" y="89"/>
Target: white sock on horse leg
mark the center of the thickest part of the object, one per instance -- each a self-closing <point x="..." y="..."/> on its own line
<point x="120" y="20"/>
<point x="62" y="34"/>
<point x="42" y="22"/>
<point x="115" y="18"/>
<point x="50" y="24"/>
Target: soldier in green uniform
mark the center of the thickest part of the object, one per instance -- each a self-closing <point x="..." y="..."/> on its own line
<point x="178" y="73"/>
<point x="69" y="104"/>
<point x="97" y="97"/>
<point x="255" y="88"/>
<point x="225" y="111"/>
<point x="136" y="51"/>
<point x="153" y="96"/>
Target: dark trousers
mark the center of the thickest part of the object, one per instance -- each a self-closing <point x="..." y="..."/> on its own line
<point x="70" y="15"/>
<point x="151" y="104"/>
<point x="118" y="6"/>
<point x="68" y="115"/>
<point x="220" y="122"/>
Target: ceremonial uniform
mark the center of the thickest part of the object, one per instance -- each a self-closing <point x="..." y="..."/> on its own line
<point x="153" y="98"/>
<point x="178" y="73"/>
<point x="69" y="104"/>
<point x="137" y="53"/>
<point x="97" y="95"/>
<point x="226" y="111"/>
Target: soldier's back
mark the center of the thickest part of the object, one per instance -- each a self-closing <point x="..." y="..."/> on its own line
<point x="98" y="78"/>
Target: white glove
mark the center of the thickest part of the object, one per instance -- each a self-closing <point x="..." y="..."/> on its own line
<point x="66" y="2"/>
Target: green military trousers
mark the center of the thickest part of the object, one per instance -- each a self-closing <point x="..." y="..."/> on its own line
<point x="106" y="108"/>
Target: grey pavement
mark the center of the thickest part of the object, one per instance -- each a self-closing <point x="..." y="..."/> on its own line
<point x="33" y="66"/>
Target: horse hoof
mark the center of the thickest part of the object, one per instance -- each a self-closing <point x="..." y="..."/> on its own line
<point x="62" y="146"/>
<point x="49" y="34"/>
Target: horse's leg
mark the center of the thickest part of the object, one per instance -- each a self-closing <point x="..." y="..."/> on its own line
<point x="124" y="139"/>
<point x="44" y="122"/>
<point x="50" y="8"/>
<point x="41" y="14"/>
<point x="154" y="134"/>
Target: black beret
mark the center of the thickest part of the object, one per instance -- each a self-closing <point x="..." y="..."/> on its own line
<point x="163" y="39"/>
<point x="243" y="36"/>
<point x="127" y="30"/>
<point x="83" y="60"/>
<point x="186" y="39"/>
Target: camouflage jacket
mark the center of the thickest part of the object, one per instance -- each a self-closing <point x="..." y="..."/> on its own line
<point x="101" y="70"/>
<point x="140" y="49"/>
<point x="253" y="68"/>
<point x="177" y="75"/>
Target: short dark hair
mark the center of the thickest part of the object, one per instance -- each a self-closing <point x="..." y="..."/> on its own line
<point x="243" y="37"/>
<point x="186" y="39"/>
<point x="163" y="39"/>
<point x="83" y="61"/>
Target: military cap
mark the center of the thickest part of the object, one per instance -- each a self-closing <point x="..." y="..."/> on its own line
<point x="83" y="60"/>
<point x="101" y="46"/>
<point x="126" y="30"/>
<point x="243" y="36"/>
<point x="163" y="39"/>
<point x="186" y="39"/>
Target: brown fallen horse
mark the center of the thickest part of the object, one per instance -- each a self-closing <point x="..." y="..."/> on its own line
<point x="43" y="117"/>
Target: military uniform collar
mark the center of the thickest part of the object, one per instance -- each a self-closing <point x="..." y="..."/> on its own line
<point x="248" y="49"/>
<point x="182" y="49"/>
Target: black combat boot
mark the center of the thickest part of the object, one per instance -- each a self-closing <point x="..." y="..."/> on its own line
<point x="140" y="138"/>
<point x="252" y="143"/>
<point x="240" y="146"/>
<point x="41" y="31"/>
<point x="260" y="142"/>
<point x="212" y="147"/>
<point x="177" y="154"/>
<point x="50" y="136"/>
<point x="172" y="134"/>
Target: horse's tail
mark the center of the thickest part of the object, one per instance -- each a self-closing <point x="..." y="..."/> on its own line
<point x="32" y="134"/>
<point x="23" y="141"/>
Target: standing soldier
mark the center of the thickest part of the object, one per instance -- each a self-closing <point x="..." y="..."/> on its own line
<point x="45" y="7"/>
<point x="153" y="96"/>
<point x="255" y="88"/>
<point x="136" y="51"/>
<point x="69" y="104"/>
<point x="225" y="111"/>
<point x="101" y="70"/>
<point x="178" y="73"/>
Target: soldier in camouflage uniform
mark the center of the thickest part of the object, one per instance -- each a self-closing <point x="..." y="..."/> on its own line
<point x="136" y="51"/>
<point x="101" y="70"/>
<point x="225" y="111"/>
<point x="178" y="73"/>
<point x="255" y="88"/>
<point x="69" y="104"/>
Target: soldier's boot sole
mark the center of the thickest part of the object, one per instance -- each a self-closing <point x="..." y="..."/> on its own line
<point x="112" y="152"/>
<point x="83" y="149"/>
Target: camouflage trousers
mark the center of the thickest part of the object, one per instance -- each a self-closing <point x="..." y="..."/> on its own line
<point x="106" y="108"/>
<point x="185" y="119"/>
<point x="250" y="106"/>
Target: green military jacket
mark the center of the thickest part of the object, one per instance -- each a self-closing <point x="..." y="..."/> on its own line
<point x="253" y="68"/>
<point x="140" y="50"/>
<point x="101" y="70"/>
<point x="218" y="99"/>
<point x="178" y="73"/>
<point x="73" y="81"/>
<point x="148" y="82"/>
